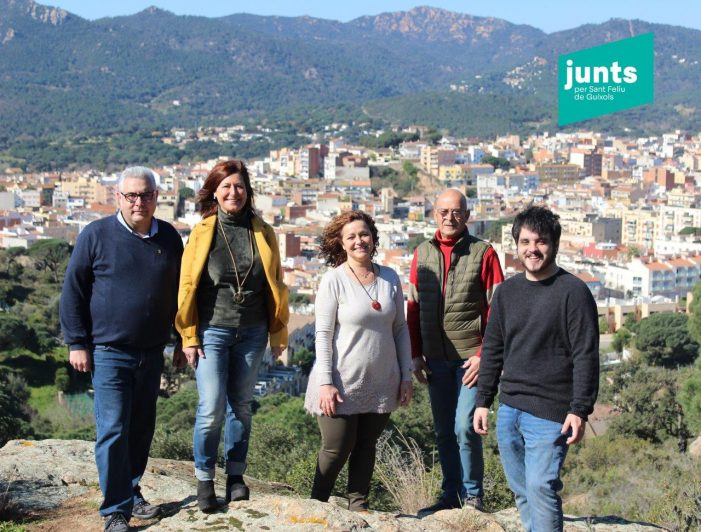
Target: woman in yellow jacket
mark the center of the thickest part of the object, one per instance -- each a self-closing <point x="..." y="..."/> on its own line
<point x="230" y="302"/>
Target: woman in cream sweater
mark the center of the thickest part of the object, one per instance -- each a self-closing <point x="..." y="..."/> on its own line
<point x="363" y="356"/>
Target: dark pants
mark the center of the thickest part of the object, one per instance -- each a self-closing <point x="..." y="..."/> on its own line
<point x="342" y="437"/>
<point x="126" y="383"/>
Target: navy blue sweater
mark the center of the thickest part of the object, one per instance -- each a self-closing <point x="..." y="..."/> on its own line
<point x="120" y="289"/>
<point x="541" y="347"/>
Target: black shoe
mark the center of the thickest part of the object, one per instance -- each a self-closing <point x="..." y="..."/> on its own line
<point x="143" y="509"/>
<point x="206" y="498"/>
<point x="475" y="502"/>
<point x="443" y="503"/>
<point x="116" y="522"/>
<point x="236" y="489"/>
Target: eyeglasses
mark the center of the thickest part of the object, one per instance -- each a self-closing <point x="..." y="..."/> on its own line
<point x="145" y="197"/>
<point x="458" y="214"/>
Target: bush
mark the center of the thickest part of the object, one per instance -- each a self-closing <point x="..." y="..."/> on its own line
<point x="62" y="381"/>
<point x="172" y="444"/>
<point x="690" y="399"/>
<point x="633" y="479"/>
<point x="416" y="422"/>
<point x="646" y="401"/>
<point x="14" y="409"/>
<point x="664" y="340"/>
<point x="497" y="494"/>
<point x="16" y="334"/>
<point x="274" y="451"/>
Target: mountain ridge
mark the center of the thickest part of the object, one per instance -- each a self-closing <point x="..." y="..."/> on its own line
<point x="61" y="73"/>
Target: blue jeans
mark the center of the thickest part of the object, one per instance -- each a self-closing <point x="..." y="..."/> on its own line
<point x="226" y="378"/>
<point x="459" y="446"/>
<point x="532" y="452"/>
<point x="126" y="383"/>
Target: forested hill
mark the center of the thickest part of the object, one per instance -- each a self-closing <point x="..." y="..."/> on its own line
<point x="61" y="73"/>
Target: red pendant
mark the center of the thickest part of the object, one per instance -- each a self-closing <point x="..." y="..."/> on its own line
<point x="376" y="305"/>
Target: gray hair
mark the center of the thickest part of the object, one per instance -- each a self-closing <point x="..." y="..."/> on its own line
<point x="138" y="172"/>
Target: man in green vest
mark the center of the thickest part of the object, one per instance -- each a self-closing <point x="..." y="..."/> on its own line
<point x="453" y="276"/>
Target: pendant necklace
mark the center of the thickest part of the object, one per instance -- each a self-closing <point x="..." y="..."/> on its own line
<point x="375" y="303"/>
<point x="239" y="297"/>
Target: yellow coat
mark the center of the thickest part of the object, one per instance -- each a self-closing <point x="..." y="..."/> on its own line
<point x="193" y="262"/>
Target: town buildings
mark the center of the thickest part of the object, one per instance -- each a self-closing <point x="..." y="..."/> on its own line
<point x="630" y="208"/>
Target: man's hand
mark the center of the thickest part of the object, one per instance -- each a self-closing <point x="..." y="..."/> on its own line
<point x="472" y="364"/>
<point x="80" y="360"/>
<point x="576" y="423"/>
<point x="480" y="423"/>
<point x="406" y="392"/>
<point x="193" y="354"/>
<point x="328" y="397"/>
<point x="277" y="351"/>
<point x="420" y="369"/>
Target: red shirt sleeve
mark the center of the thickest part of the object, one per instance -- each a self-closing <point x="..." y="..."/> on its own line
<point x="492" y="275"/>
<point x="412" y="309"/>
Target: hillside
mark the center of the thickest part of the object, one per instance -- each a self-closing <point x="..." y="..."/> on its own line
<point x="63" y="74"/>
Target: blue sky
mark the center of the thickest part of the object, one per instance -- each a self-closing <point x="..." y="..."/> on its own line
<point x="548" y="15"/>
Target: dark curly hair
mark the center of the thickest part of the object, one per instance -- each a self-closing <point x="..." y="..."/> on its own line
<point x="222" y="170"/>
<point x="539" y="220"/>
<point x="331" y="249"/>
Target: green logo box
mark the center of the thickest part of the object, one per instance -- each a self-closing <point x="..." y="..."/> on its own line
<point x="606" y="79"/>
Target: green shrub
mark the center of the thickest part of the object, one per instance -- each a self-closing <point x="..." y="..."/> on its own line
<point x="497" y="494"/>
<point x="61" y="380"/>
<point x="172" y="444"/>
<point x="632" y="478"/>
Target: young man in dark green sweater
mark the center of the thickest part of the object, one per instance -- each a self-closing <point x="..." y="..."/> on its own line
<point x="541" y="347"/>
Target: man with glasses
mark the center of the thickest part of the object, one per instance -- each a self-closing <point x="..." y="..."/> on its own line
<point x="117" y="308"/>
<point x="453" y="276"/>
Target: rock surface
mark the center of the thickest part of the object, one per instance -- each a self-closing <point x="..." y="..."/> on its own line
<point x="52" y="485"/>
<point x="695" y="448"/>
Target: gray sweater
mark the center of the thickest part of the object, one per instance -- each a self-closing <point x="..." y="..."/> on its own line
<point x="363" y="352"/>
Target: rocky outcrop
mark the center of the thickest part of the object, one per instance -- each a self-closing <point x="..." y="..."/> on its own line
<point x="52" y="485"/>
<point x="695" y="448"/>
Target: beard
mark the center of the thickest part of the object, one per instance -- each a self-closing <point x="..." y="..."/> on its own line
<point x="543" y="267"/>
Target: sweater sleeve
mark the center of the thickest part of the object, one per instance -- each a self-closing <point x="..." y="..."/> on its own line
<point x="412" y="310"/>
<point x="492" y="359"/>
<point x="583" y="335"/>
<point x="400" y="331"/>
<point x="74" y="306"/>
<point x="326" y="309"/>
<point x="186" y="319"/>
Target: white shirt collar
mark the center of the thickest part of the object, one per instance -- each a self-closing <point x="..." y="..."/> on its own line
<point x="151" y="232"/>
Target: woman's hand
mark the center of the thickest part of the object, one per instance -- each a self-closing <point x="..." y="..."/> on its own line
<point x="179" y="358"/>
<point x="276" y="352"/>
<point x="193" y="354"/>
<point x="328" y="397"/>
<point x="406" y="392"/>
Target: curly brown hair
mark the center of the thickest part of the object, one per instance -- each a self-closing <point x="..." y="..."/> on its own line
<point x="222" y="170"/>
<point x="331" y="250"/>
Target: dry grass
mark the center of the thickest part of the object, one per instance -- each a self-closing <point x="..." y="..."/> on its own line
<point x="402" y="471"/>
<point x="469" y="520"/>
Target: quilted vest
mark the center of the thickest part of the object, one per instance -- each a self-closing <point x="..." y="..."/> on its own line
<point x="451" y="325"/>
